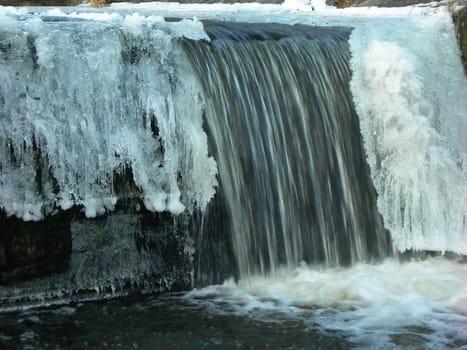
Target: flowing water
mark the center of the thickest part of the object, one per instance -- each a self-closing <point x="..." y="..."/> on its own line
<point x="289" y="153"/>
<point x="337" y="147"/>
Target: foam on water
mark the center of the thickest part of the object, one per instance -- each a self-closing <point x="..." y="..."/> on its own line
<point x="372" y="304"/>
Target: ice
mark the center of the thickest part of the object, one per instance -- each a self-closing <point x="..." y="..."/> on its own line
<point x="8" y="13"/>
<point x="190" y="29"/>
<point x="104" y="17"/>
<point x="411" y="99"/>
<point x="86" y="102"/>
<point x="133" y="24"/>
<point x="306" y="5"/>
<point x="297" y="5"/>
<point x="55" y="12"/>
<point x="45" y="53"/>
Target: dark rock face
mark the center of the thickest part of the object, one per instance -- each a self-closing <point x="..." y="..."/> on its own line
<point x="33" y="249"/>
<point x="70" y="255"/>
<point x="128" y="249"/>
<point x="142" y="250"/>
<point x="460" y="20"/>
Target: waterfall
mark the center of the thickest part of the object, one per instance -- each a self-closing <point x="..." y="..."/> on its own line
<point x="336" y="141"/>
<point x="293" y="170"/>
<point x="287" y="142"/>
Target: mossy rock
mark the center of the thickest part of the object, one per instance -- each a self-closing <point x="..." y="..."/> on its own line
<point x="461" y="23"/>
<point x="99" y="3"/>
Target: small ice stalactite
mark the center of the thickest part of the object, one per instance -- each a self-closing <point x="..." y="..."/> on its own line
<point x="89" y="98"/>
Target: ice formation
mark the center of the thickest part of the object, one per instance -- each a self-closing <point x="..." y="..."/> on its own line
<point x="411" y="96"/>
<point x="83" y="102"/>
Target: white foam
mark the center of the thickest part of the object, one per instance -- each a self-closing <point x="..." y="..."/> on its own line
<point x="45" y="53"/>
<point x="297" y="5"/>
<point x="368" y="302"/>
<point x="12" y="12"/>
<point x="133" y="24"/>
<point x="190" y="29"/>
<point x="91" y="16"/>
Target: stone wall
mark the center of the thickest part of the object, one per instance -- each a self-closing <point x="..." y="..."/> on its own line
<point x="67" y="256"/>
<point x="460" y="19"/>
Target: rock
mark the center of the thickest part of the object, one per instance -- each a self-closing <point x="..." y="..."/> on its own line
<point x="128" y="249"/>
<point x="460" y="20"/>
<point x="30" y="250"/>
<point x="389" y="3"/>
<point x="70" y="256"/>
<point x="99" y="3"/>
<point x="340" y="3"/>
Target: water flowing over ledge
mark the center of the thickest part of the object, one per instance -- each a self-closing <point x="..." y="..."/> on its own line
<point x="422" y="208"/>
<point x="288" y="149"/>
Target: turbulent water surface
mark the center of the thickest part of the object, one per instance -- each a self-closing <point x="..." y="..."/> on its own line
<point x="413" y="305"/>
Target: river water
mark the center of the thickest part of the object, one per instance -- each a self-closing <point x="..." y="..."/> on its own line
<point x="391" y="305"/>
